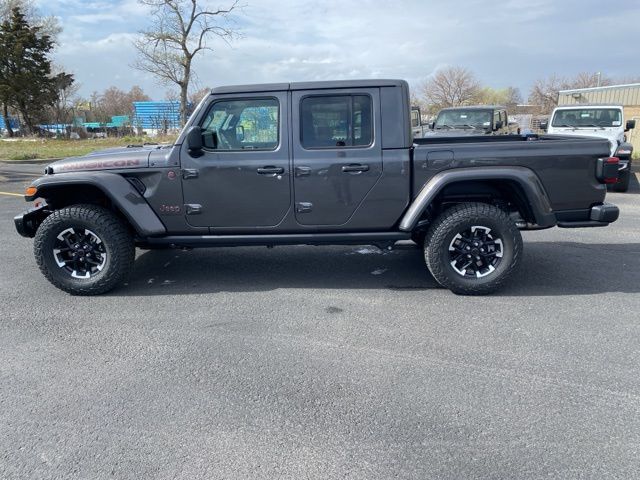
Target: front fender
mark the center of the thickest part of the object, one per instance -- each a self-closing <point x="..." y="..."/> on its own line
<point x="114" y="186"/>
<point x="624" y="151"/>
<point x="531" y="185"/>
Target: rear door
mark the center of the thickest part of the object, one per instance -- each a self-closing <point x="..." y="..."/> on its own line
<point x="337" y="154"/>
<point x="243" y="177"/>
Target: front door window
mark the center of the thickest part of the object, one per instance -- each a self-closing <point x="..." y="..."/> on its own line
<point x="250" y="124"/>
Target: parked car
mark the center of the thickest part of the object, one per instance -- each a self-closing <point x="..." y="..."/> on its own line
<point x="315" y="163"/>
<point x="603" y="121"/>
<point x="476" y="120"/>
<point x="417" y="127"/>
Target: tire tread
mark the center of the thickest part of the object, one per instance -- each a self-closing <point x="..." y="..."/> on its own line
<point x="442" y="227"/>
<point x="121" y="245"/>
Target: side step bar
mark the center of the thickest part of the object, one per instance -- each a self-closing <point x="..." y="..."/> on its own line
<point x="380" y="239"/>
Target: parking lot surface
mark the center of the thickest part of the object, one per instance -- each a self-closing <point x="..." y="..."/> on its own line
<point x="324" y="362"/>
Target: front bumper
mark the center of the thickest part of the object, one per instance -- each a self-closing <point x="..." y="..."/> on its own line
<point x="599" y="216"/>
<point x="27" y="222"/>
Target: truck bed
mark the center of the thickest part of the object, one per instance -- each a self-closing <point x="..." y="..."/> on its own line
<point x="559" y="162"/>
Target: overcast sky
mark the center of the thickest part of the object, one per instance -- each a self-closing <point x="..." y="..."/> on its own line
<point x="505" y="42"/>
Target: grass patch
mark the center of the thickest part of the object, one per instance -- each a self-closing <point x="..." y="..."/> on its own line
<point x="41" y="148"/>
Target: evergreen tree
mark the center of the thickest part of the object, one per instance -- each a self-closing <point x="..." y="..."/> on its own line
<point x="26" y="82"/>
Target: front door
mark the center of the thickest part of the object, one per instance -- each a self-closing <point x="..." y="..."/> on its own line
<point x="242" y="178"/>
<point x="337" y="155"/>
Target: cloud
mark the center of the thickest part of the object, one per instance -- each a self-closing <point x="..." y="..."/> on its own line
<point x="92" y="18"/>
<point x="511" y="42"/>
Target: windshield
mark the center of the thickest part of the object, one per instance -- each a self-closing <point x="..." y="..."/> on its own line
<point x="464" y="119"/>
<point x="588" y="117"/>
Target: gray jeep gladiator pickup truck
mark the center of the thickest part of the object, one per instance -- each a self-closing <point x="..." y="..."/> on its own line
<point x="315" y="163"/>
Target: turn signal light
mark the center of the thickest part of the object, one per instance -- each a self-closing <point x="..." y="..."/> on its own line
<point x="30" y="191"/>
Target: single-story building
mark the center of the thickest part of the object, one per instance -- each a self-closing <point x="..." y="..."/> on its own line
<point x="155" y="118"/>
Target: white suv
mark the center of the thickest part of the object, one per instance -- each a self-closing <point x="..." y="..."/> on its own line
<point x="604" y="121"/>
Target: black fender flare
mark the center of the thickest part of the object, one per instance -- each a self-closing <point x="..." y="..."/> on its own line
<point x="526" y="178"/>
<point x="114" y="186"/>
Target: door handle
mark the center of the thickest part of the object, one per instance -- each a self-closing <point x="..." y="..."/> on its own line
<point x="303" y="171"/>
<point x="355" y="168"/>
<point x="270" y="170"/>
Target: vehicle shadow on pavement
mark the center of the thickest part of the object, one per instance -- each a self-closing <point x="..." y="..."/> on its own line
<point x="572" y="268"/>
<point x="548" y="269"/>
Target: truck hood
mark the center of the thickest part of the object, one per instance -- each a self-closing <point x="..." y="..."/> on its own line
<point x="108" y="159"/>
<point x="614" y="135"/>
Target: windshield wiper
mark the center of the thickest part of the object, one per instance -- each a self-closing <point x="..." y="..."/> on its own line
<point x="449" y="127"/>
<point x="465" y="125"/>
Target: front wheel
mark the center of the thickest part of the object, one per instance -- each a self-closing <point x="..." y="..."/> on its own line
<point x="84" y="249"/>
<point x="473" y="248"/>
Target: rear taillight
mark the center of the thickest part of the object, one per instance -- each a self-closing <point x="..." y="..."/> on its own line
<point x="607" y="170"/>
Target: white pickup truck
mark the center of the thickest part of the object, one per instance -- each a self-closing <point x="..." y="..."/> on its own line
<point x="604" y="121"/>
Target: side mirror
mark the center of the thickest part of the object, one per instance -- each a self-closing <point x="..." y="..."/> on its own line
<point x="240" y="133"/>
<point x="498" y="125"/>
<point x="194" y="141"/>
<point x="544" y="124"/>
<point x="432" y="125"/>
<point x="631" y="124"/>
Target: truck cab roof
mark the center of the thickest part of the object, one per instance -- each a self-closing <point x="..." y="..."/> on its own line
<point x="476" y="107"/>
<point x="314" y="85"/>
<point x="579" y="106"/>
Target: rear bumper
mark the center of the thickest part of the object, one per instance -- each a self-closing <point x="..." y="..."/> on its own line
<point x="27" y="222"/>
<point x="599" y="216"/>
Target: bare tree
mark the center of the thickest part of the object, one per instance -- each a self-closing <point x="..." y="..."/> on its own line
<point x="545" y="91"/>
<point x="450" y="87"/>
<point x="627" y="79"/>
<point x="509" y="96"/>
<point x="180" y="30"/>
<point x="114" y="101"/>
<point x="198" y="95"/>
<point x="513" y="96"/>
<point x="588" y="80"/>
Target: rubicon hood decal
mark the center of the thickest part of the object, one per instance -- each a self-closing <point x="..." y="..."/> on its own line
<point x="107" y="160"/>
<point x="98" y="165"/>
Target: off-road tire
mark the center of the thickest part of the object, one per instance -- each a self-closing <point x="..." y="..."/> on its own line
<point x="111" y="230"/>
<point x="457" y="219"/>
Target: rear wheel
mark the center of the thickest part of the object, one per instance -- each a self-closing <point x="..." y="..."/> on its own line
<point x="473" y="248"/>
<point x="84" y="249"/>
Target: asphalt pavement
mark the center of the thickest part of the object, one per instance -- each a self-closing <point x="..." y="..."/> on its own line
<point x="324" y="362"/>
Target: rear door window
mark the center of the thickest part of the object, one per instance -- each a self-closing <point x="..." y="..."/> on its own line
<point x="336" y="121"/>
